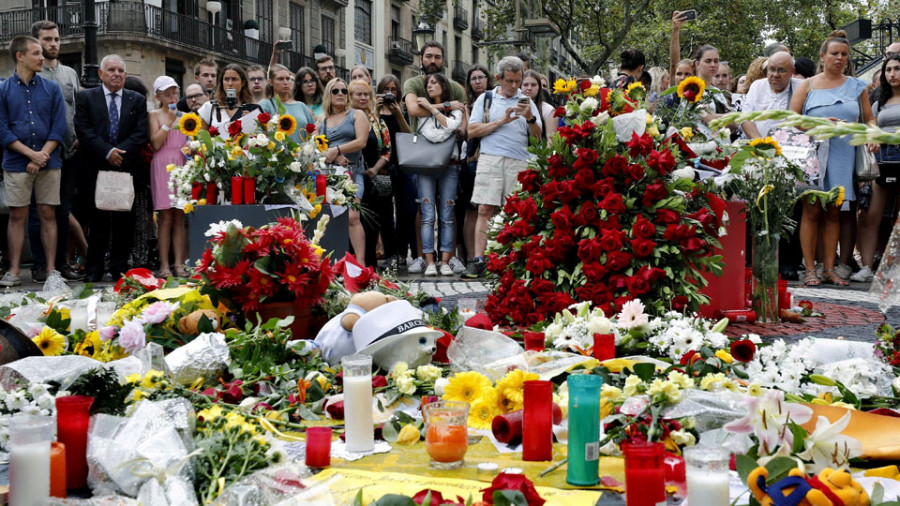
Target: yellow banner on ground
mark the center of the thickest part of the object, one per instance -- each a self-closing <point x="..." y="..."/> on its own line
<point x="344" y="484"/>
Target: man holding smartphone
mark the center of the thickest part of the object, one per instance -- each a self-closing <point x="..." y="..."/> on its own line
<point x="504" y="128"/>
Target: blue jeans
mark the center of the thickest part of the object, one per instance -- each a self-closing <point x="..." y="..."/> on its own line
<point x="888" y="153"/>
<point x="445" y="185"/>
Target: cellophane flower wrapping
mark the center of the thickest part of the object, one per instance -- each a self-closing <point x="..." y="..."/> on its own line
<point x="284" y="482"/>
<point x="153" y="444"/>
<point x="63" y="370"/>
<point x="474" y="348"/>
<point x="205" y="357"/>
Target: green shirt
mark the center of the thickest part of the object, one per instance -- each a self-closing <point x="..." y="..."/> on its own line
<point x="416" y="86"/>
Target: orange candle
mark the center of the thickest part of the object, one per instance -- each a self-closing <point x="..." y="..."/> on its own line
<point x="57" y="470"/>
<point x="446" y="443"/>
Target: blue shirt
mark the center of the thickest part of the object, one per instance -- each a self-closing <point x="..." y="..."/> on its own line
<point x="510" y="140"/>
<point x="32" y="113"/>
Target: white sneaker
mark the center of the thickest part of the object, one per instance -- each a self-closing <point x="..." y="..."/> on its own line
<point x="446" y="270"/>
<point x="10" y="279"/>
<point x="864" y="275"/>
<point x="431" y="270"/>
<point x="54" y="278"/>
<point x="417" y="266"/>
<point x="457" y="266"/>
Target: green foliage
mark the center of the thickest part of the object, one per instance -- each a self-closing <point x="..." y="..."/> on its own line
<point x="103" y="385"/>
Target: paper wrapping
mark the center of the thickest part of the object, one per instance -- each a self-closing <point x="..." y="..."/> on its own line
<point x="107" y="500"/>
<point x="206" y="356"/>
<point x="63" y="370"/>
<point x="281" y="484"/>
<point x="879" y="434"/>
<point x="151" y="445"/>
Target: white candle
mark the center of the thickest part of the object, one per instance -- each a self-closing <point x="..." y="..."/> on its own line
<point x="465" y="314"/>
<point x="707" y="488"/>
<point x="358" y="420"/>
<point x="79" y="318"/>
<point x="29" y="474"/>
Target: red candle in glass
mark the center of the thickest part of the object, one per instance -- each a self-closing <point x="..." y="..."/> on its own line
<point x="509" y="426"/>
<point x="318" y="446"/>
<point x="784" y="299"/>
<point x="57" y="470"/>
<point x="645" y="474"/>
<point x="534" y="341"/>
<point x="537" y="426"/>
<point x="675" y="469"/>
<point x="211" y="193"/>
<point x="604" y="346"/>
<point x="72" y="418"/>
<point x="196" y="188"/>
<point x="249" y="190"/>
<point x="237" y="190"/>
<point x="321" y="184"/>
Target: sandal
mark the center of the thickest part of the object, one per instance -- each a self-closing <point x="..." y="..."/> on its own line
<point x="183" y="272"/>
<point x="164" y="273"/>
<point x="830" y="278"/>
<point x="810" y="278"/>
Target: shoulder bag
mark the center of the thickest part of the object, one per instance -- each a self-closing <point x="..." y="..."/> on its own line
<point x="866" y="165"/>
<point x="418" y="155"/>
<point x="115" y="191"/>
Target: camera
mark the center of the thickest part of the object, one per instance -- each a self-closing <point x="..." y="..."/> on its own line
<point x="388" y="99"/>
<point x="230" y="98"/>
<point x="284" y="45"/>
<point x="689" y="15"/>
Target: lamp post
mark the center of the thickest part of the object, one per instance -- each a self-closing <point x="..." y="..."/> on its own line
<point x="213" y="8"/>
<point x="89" y="76"/>
<point x="423" y="32"/>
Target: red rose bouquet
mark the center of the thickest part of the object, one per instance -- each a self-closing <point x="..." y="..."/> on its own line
<point x="274" y="263"/>
<point x="601" y="220"/>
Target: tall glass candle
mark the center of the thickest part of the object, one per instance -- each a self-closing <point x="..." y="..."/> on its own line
<point x="359" y="423"/>
<point x="72" y="419"/>
<point x="29" y="459"/>
<point x="604" y="346"/>
<point x="249" y="190"/>
<point x="645" y="474"/>
<point x="584" y="429"/>
<point x="237" y="190"/>
<point x="537" y="428"/>
<point x="707" y="475"/>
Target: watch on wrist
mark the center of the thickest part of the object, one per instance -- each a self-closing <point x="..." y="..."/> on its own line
<point x="447" y="106"/>
<point x="531" y="121"/>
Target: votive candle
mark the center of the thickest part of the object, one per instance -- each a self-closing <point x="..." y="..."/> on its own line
<point x="359" y="422"/>
<point x="57" y="470"/>
<point x="707" y="476"/>
<point x="318" y="446"/>
<point x="645" y="475"/>
<point x="537" y="428"/>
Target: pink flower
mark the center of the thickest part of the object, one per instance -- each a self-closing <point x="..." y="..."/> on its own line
<point x="132" y="337"/>
<point x="107" y="333"/>
<point x="157" y="312"/>
<point x="767" y="418"/>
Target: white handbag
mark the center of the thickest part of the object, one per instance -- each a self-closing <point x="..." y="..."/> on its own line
<point x="115" y="191"/>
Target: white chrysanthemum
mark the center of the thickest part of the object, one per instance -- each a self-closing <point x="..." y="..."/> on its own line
<point x="632" y="315"/>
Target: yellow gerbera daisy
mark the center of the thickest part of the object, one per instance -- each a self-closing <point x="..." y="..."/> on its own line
<point x="321" y="143"/>
<point x="466" y="386"/>
<point x="482" y="412"/>
<point x="190" y="124"/>
<point x="90" y="346"/>
<point x="287" y="124"/>
<point x="563" y="86"/>
<point x="691" y="89"/>
<point x="768" y="142"/>
<point x="635" y="91"/>
<point x="51" y="342"/>
<point x="512" y="385"/>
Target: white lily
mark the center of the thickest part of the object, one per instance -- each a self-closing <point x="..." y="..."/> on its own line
<point x="768" y="418"/>
<point x="827" y="447"/>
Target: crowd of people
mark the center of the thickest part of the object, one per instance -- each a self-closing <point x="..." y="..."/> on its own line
<point x="56" y="137"/>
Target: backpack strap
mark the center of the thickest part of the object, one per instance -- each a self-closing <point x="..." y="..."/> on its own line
<point x="488" y="98"/>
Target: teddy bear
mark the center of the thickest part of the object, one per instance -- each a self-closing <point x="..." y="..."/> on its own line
<point x="831" y="487"/>
<point x="335" y="340"/>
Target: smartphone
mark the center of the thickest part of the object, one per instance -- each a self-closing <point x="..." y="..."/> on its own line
<point x="523" y="100"/>
<point x="689" y="15"/>
<point x="284" y="45"/>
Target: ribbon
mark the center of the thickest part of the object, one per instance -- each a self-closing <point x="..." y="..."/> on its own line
<point x="144" y="468"/>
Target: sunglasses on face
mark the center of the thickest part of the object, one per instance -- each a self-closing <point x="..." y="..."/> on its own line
<point x="339" y="91"/>
<point x="308" y="81"/>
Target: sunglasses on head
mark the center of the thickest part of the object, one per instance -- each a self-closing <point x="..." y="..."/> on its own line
<point x="339" y="91"/>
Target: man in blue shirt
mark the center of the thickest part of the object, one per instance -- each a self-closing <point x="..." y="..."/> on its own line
<point x="32" y="128"/>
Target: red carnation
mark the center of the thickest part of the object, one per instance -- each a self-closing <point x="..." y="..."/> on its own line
<point x="642" y="247"/>
<point x="234" y="129"/>
<point x="743" y="350"/>
<point x="263" y="118"/>
<point x="310" y="128"/>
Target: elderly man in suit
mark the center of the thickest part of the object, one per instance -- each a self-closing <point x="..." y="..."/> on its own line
<point x="111" y="124"/>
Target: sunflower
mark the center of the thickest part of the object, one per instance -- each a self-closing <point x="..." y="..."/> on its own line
<point x="563" y="86"/>
<point x="482" y="411"/>
<point x="51" y="342"/>
<point x="691" y="89"/>
<point x="840" y="196"/>
<point x="287" y="124"/>
<point x="321" y="143"/>
<point x="635" y="91"/>
<point x="466" y="387"/>
<point x="768" y="142"/>
<point x="190" y="124"/>
<point x="90" y="346"/>
<point x="511" y="388"/>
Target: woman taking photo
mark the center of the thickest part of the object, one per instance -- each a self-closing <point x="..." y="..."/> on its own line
<point x="347" y="131"/>
<point x="887" y="109"/>
<point x="281" y="85"/>
<point x="166" y="140"/>
<point x="531" y="88"/>
<point x="376" y="159"/>
<point x="834" y="95"/>
<point x="228" y="106"/>
<point x="438" y="128"/>
<point x="308" y="89"/>
<point x="403" y="186"/>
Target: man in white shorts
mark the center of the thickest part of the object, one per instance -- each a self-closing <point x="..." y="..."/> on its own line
<point x="511" y="119"/>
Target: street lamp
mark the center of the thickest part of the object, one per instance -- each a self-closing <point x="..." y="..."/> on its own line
<point x="423" y="32"/>
<point x="213" y="8"/>
<point x="89" y="77"/>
